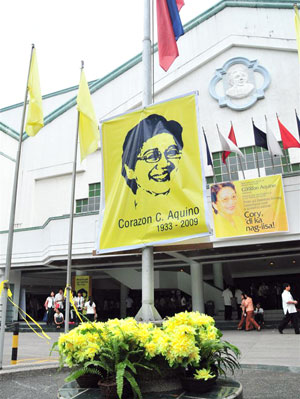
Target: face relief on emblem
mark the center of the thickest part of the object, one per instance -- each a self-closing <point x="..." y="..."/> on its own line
<point x="238" y="80"/>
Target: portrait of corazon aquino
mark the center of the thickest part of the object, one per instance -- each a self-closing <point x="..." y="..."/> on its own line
<point x="151" y="155"/>
<point x="154" y="184"/>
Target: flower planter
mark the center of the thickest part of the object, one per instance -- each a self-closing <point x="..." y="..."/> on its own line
<point x="108" y="389"/>
<point x="190" y="384"/>
<point x="88" y="381"/>
<point x="167" y="379"/>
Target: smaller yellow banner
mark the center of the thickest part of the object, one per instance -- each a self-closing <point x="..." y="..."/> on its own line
<point x="246" y="207"/>
<point x="83" y="284"/>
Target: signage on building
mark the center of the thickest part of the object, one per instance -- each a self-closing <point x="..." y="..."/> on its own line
<point x="247" y="207"/>
<point x="154" y="182"/>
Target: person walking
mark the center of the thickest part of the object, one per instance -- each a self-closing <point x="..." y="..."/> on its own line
<point x="90" y="309"/>
<point x="249" y="310"/>
<point x="243" y="313"/>
<point x="289" y="310"/>
<point x="238" y="296"/>
<point x="227" y="296"/>
<point x="50" y="306"/>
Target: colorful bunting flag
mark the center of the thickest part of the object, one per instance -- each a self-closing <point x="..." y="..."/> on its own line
<point x="298" y="123"/>
<point x="169" y="29"/>
<point x="297" y="27"/>
<point x="231" y="137"/>
<point x="260" y="137"/>
<point x="208" y="154"/>
<point x="273" y="145"/>
<point x="228" y="145"/>
<point x="35" y="119"/>
<point x="88" y="126"/>
<point x="288" y="140"/>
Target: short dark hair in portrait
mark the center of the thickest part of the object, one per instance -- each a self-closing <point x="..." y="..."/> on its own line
<point x="215" y="190"/>
<point x="149" y="127"/>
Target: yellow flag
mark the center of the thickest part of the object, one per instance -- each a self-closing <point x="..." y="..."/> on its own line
<point x="35" y="120"/>
<point x="297" y="26"/>
<point x="88" y="126"/>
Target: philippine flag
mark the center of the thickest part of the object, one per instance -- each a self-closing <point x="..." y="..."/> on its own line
<point x="169" y="29"/>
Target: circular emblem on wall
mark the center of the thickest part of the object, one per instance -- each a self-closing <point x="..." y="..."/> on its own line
<point x="239" y="83"/>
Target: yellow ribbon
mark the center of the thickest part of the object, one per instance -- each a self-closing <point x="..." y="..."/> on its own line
<point x="72" y="301"/>
<point x="9" y="296"/>
<point x="2" y="286"/>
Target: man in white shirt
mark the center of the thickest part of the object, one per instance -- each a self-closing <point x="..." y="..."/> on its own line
<point x="59" y="300"/>
<point x="79" y="303"/>
<point x="289" y="309"/>
<point x="50" y="306"/>
<point x="227" y="296"/>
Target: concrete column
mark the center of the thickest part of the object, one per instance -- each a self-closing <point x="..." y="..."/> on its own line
<point x="123" y="295"/>
<point x="147" y="311"/>
<point x="218" y="275"/>
<point x="197" y="286"/>
<point x="1" y="279"/>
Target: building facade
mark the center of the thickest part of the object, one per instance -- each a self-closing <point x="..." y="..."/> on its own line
<point x="242" y="59"/>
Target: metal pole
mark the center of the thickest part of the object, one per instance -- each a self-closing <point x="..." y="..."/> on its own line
<point x="12" y="222"/>
<point x="241" y="165"/>
<point x="228" y="171"/>
<point x="197" y="286"/>
<point x="212" y="166"/>
<point x="147" y="84"/>
<point x="147" y="311"/>
<point x="15" y="344"/>
<point x="70" y="243"/>
<point x="256" y="157"/>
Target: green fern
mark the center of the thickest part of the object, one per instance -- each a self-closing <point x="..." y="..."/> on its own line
<point x="134" y="385"/>
<point x="82" y="371"/>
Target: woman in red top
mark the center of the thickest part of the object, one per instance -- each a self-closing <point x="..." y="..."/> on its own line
<point x="248" y="309"/>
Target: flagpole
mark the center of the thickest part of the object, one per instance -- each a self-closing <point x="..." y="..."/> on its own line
<point x="225" y="159"/>
<point x="297" y="119"/>
<point x="212" y="167"/>
<point x="256" y="157"/>
<point x="147" y="312"/>
<point x="272" y="160"/>
<point x="70" y="243"/>
<point x="285" y="151"/>
<point x="241" y="165"/>
<point x="12" y="222"/>
<point x="240" y="161"/>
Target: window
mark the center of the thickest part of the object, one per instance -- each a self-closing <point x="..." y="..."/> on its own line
<point x="252" y="156"/>
<point x="92" y="203"/>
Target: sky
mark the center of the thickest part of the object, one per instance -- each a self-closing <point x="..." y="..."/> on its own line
<point x="103" y="33"/>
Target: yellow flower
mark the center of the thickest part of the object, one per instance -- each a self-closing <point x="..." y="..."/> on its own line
<point x="203" y="374"/>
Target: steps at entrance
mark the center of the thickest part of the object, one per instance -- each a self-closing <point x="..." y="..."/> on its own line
<point x="272" y="318"/>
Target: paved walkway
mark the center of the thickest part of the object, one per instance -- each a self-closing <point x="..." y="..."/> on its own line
<point x="266" y="347"/>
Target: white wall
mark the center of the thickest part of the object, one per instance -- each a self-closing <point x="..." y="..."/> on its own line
<point x="46" y="164"/>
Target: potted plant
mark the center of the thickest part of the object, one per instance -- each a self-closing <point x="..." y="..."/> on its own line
<point x="123" y="354"/>
<point x="196" y="347"/>
<point x="109" y="351"/>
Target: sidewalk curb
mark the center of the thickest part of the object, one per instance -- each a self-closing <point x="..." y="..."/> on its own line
<point x="267" y="367"/>
<point x="27" y="368"/>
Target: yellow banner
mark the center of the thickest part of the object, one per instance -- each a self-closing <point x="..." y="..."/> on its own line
<point x="154" y="182"/>
<point x="83" y="284"/>
<point x="253" y="206"/>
